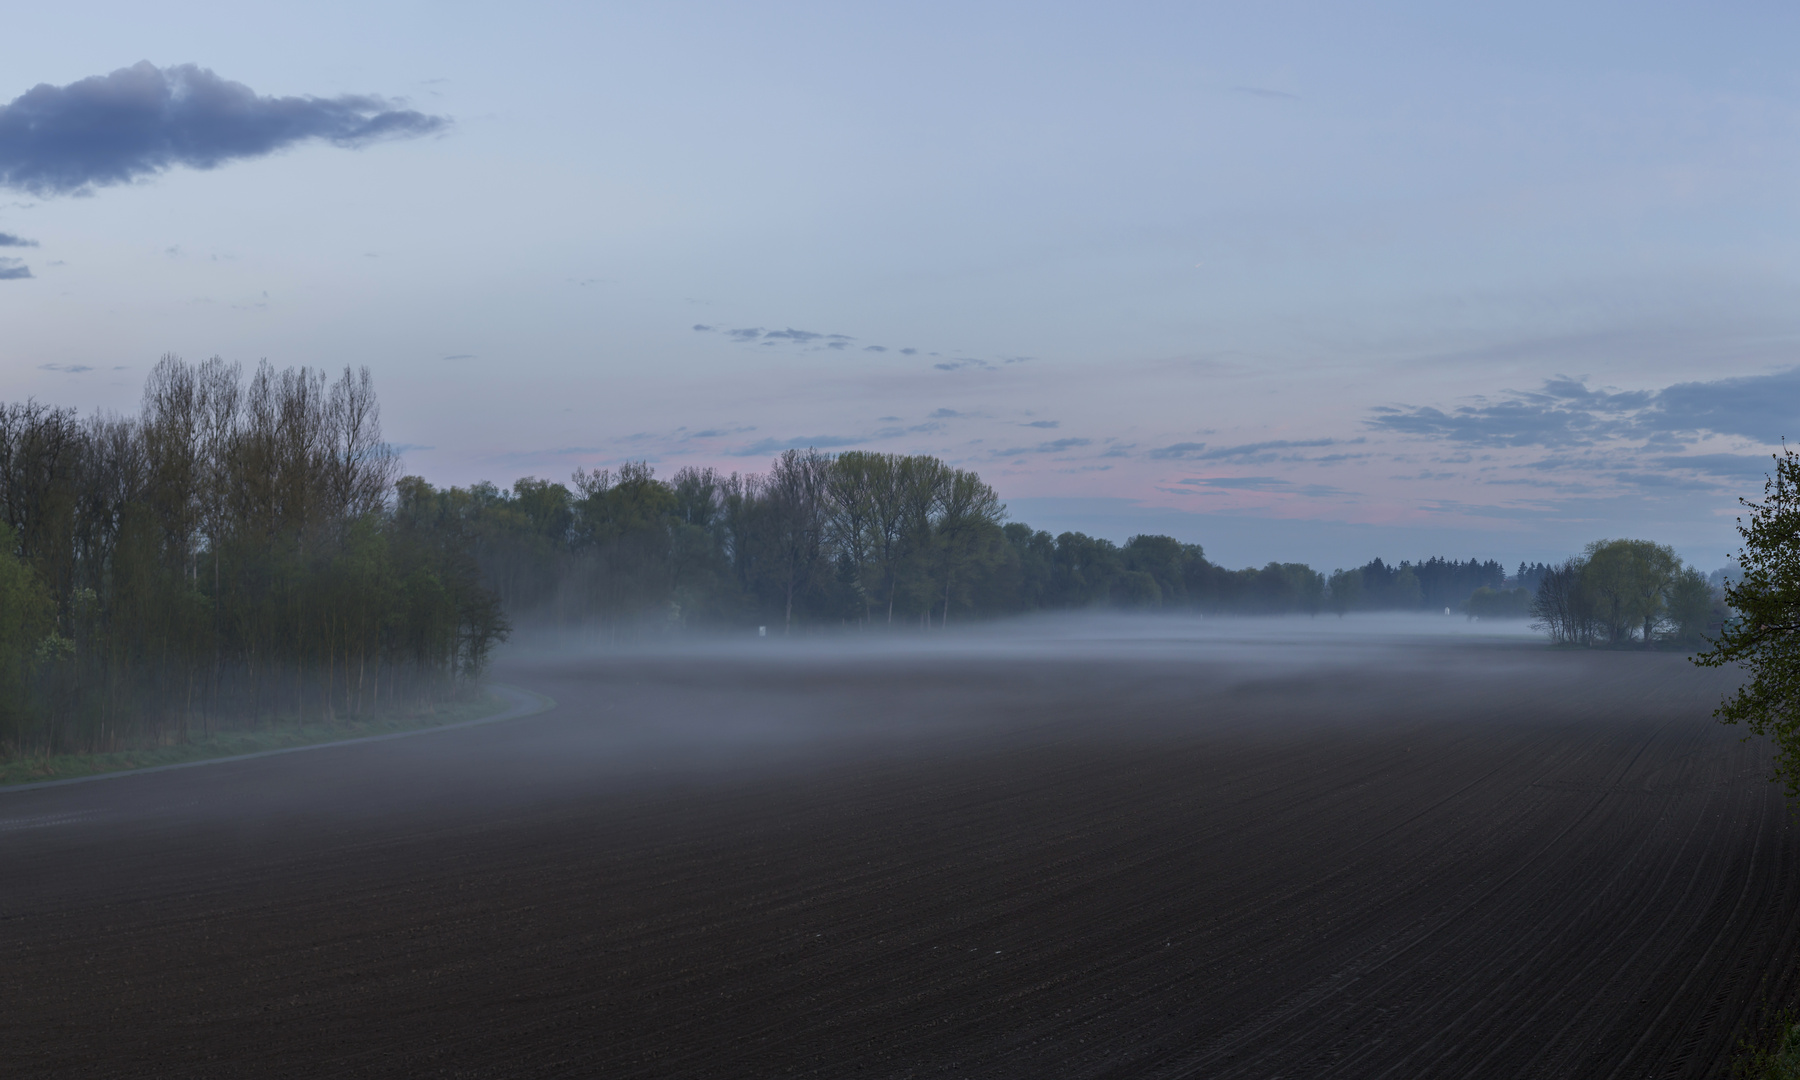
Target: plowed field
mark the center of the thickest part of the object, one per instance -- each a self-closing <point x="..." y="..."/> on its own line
<point x="1134" y="859"/>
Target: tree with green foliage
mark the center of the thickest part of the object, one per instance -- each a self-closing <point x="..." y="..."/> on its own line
<point x="237" y="551"/>
<point x="25" y="634"/>
<point x="1344" y="590"/>
<point x="1692" y="607"/>
<point x="1764" y="637"/>
<point x="1630" y="582"/>
<point x="1623" y="591"/>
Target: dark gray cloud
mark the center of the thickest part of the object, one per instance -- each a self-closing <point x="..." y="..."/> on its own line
<point x="797" y="336"/>
<point x="1043" y="423"/>
<point x="460" y="356"/>
<point x="67" y="369"/>
<point x="13" y="270"/>
<point x="909" y="352"/>
<point x="142" y="120"/>
<point x="1567" y="413"/>
<point x="702" y="327"/>
<point x="1179" y="450"/>
<point x="1763" y="407"/>
<point x="748" y="333"/>
<point x="9" y="240"/>
<point x="944" y="414"/>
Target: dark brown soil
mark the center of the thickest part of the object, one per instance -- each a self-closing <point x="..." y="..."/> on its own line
<point x="1492" y="861"/>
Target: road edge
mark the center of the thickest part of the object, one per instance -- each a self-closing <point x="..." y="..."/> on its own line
<point x="524" y="703"/>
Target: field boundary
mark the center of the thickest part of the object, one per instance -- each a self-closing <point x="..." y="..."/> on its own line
<point x="523" y="703"/>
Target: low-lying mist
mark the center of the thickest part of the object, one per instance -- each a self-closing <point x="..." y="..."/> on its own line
<point x="1285" y="639"/>
<point x="742" y="708"/>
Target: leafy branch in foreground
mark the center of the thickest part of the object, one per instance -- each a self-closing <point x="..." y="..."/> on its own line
<point x="1763" y="638"/>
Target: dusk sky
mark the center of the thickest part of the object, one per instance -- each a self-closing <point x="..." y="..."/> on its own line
<point x="1308" y="282"/>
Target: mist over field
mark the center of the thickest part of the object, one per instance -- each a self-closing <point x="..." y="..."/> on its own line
<point x="1055" y="845"/>
<point x="690" y="540"/>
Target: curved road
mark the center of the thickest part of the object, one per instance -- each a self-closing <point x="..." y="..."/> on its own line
<point x="1131" y="858"/>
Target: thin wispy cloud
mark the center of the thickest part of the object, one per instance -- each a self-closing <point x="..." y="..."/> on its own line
<point x="1733" y="466"/>
<point x="1054" y="446"/>
<point x="765" y="447"/>
<point x="1566" y="412"/>
<point x="143" y="120"/>
<point x="1257" y="483"/>
<point x="1255" y="453"/>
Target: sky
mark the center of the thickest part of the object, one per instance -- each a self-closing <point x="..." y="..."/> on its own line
<point x="1297" y="282"/>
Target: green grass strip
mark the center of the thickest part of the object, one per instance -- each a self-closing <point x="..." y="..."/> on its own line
<point x="276" y="738"/>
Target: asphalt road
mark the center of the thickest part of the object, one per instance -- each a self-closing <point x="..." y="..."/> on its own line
<point x="1151" y="854"/>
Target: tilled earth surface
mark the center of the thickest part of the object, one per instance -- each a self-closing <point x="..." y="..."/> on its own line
<point x="1131" y="860"/>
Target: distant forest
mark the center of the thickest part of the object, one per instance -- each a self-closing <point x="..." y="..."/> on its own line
<point x="244" y="549"/>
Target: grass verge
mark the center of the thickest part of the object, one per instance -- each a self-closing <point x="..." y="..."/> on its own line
<point x="279" y="736"/>
<point x="1773" y="1050"/>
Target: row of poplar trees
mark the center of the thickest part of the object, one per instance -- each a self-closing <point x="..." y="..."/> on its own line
<point x="236" y="552"/>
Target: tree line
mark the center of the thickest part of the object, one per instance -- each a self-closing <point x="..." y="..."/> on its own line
<point x="1429" y="585"/>
<point x="235" y="552"/>
<point x="866" y="540"/>
<point x="244" y="549"/>
<point x="857" y="539"/>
